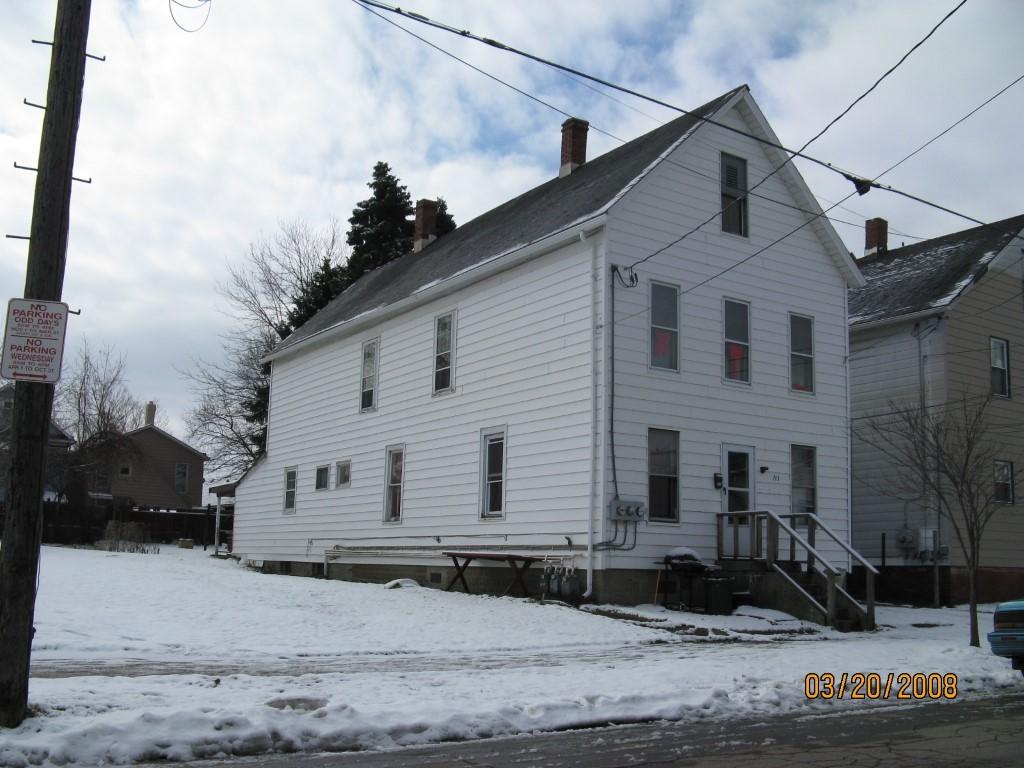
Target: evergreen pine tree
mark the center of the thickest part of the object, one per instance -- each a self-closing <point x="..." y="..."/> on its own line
<point x="381" y="228"/>
<point x="326" y="283"/>
<point x="445" y="222"/>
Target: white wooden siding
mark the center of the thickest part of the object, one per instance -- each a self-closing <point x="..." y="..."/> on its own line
<point x="884" y="371"/>
<point x="523" y="361"/>
<point x="795" y="276"/>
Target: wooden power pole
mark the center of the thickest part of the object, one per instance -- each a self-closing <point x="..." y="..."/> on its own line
<point x="44" y="280"/>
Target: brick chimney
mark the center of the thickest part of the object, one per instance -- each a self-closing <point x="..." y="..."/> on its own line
<point x="876" y="236"/>
<point x="150" y="413"/>
<point x="425" y="229"/>
<point x="574" y="145"/>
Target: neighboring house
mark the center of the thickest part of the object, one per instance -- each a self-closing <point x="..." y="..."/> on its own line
<point x="153" y="468"/>
<point x="463" y="396"/>
<point x="60" y="442"/>
<point x="937" y="321"/>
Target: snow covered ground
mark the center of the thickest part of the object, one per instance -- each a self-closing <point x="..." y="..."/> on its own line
<point x="180" y="656"/>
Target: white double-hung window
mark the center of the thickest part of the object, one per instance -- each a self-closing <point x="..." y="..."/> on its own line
<point x="737" y="340"/>
<point x="368" y="379"/>
<point x="801" y="353"/>
<point x="394" y="469"/>
<point x="290" y="475"/>
<point x="1000" y="367"/>
<point x="492" y="473"/>
<point x="444" y="353"/>
<point x="664" y="326"/>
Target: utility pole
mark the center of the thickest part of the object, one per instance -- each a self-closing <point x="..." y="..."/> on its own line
<point x="44" y="280"/>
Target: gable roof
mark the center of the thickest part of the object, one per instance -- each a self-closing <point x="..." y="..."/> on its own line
<point x="168" y="436"/>
<point x="927" y="277"/>
<point x="547" y="209"/>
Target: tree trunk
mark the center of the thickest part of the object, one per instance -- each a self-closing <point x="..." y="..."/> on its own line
<point x="973" y="596"/>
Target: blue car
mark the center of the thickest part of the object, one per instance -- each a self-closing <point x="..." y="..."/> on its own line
<point x="1007" y="637"/>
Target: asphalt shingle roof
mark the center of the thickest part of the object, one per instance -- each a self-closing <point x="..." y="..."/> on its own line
<point x="927" y="275"/>
<point x="543" y="210"/>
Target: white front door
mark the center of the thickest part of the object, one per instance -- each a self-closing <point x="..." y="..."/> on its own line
<point x="738" y="496"/>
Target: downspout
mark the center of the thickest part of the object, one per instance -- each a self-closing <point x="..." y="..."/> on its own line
<point x="591" y="512"/>
<point x="849" y="436"/>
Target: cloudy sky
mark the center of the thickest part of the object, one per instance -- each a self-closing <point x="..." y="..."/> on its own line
<point x="200" y="143"/>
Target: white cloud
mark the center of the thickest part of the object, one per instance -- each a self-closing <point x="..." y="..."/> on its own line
<point x="199" y="143"/>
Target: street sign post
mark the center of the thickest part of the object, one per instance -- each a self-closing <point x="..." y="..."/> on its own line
<point x="34" y="340"/>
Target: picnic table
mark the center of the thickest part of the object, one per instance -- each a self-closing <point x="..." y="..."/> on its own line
<point x="517" y="562"/>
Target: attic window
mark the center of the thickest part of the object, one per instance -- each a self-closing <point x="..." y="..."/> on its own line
<point x="734" y="190"/>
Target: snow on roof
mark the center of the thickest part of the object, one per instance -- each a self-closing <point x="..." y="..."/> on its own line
<point x="929" y="275"/>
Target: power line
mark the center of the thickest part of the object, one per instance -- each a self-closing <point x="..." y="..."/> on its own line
<point x="749" y="192"/>
<point x="810" y="141"/>
<point x="862" y="184"/>
<point x="208" y="4"/>
<point x="571" y="73"/>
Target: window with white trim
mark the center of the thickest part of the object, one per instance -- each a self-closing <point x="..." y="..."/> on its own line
<point x="290" y="475"/>
<point x="1000" y="367"/>
<point x="393" y="483"/>
<point x="801" y="353"/>
<point x="663" y="474"/>
<point x="181" y="477"/>
<point x="737" y="340"/>
<point x="1004" y="482"/>
<point x="322" y="479"/>
<point x="492" y="473"/>
<point x="444" y="353"/>
<point x="734" y="190"/>
<point x="664" y="326"/>
<point x="343" y="474"/>
<point x="803" y="480"/>
<point x="368" y="379"/>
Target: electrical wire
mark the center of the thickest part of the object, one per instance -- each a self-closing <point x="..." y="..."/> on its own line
<point x="862" y="184"/>
<point x="897" y="164"/>
<point x="465" y="33"/>
<point x="815" y="215"/>
<point x="208" y="4"/>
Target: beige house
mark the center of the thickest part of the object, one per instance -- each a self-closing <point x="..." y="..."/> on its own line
<point x="938" y="321"/>
<point x="157" y="470"/>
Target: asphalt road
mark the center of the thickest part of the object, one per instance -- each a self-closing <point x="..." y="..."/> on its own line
<point x="977" y="733"/>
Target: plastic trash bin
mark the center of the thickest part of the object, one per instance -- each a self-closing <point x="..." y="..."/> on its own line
<point x="718" y="595"/>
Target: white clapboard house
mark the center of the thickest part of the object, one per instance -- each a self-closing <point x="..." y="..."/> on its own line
<point x="514" y="387"/>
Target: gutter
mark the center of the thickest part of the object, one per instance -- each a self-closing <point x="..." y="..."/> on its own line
<point x="855" y="327"/>
<point x="484" y="269"/>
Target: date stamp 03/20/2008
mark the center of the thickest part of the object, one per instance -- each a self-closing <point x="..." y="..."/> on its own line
<point x="904" y="686"/>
